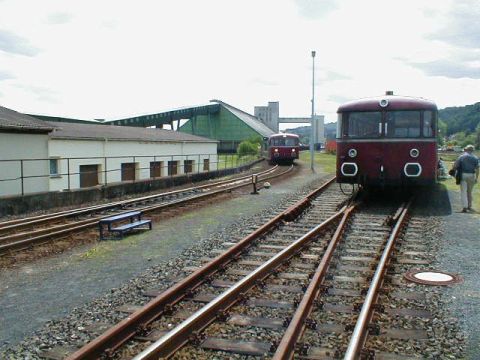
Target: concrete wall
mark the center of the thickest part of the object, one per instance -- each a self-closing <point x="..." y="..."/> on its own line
<point x="23" y="146"/>
<point x="118" y="152"/>
<point x="15" y="205"/>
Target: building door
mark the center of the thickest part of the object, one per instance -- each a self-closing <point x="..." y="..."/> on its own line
<point x="128" y="171"/>
<point x="188" y="166"/>
<point x="88" y="175"/>
<point x="156" y="169"/>
<point x="172" y="168"/>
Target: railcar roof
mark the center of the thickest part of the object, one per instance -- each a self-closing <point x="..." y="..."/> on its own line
<point x="394" y="103"/>
<point x="284" y="135"/>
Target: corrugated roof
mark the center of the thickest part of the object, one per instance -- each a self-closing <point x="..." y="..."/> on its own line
<point x="248" y="119"/>
<point x="15" y="121"/>
<point x="124" y="133"/>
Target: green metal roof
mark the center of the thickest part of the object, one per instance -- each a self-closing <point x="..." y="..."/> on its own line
<point x="168" y="116"/>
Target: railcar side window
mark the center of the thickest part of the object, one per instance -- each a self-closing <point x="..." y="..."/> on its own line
<point x="362" y="124"/>
<point x="428" y="124"/>
<point x="403" y="124"/>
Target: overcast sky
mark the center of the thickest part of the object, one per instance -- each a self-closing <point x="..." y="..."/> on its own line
<point x="113" y="59"/>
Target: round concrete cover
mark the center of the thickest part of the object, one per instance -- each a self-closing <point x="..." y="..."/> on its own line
<point x="433" y="276"/>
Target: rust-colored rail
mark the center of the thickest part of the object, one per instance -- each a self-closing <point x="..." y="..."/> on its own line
<point x="176" y="338"/>
<point x="113" y="338"/>
<point x="22" y="240"/>
<point x="286" y="348"/>
<point x="39" y="219"/>
<point x="360" y="331"/>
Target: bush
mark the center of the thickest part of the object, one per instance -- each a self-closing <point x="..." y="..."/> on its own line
<point x="247" y="148"/>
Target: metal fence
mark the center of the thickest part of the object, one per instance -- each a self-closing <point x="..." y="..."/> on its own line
<point x="23" y="175"/>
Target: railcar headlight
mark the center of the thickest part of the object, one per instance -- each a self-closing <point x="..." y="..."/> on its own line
<point x="383" y="103"/>
<point x="352" y="153"/>
<point x="293" y="150"/>
<point x="276" y="150"/>
<point x="414" y="153"/>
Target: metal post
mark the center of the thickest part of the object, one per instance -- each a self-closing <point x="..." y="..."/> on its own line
<point x="105" y="170"/>
<point x="134" y="170"/>
<point x="312" y="134"/>
<point x="21" y="176"/>
<point x="68" y="173"/>
<point x="254" y="183"/>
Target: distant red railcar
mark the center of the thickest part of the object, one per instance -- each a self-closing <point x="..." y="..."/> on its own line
<point x="283" y="148"/>
<point x="387" y="141"/>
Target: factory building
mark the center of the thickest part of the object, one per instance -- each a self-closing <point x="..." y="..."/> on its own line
<point x="38" y="156"/>
<point x="270" y="116"/>
<point x="215" y="120"/>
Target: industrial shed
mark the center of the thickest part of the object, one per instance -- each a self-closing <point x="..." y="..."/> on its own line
<point x="22" y="137"/>
<point x="39" y="156"/>
<point x="215" y="120"/>
<point x="105" y="154"/>
<point x="230" y="126"/>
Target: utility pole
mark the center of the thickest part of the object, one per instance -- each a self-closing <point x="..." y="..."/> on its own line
<point x="312" y="128"/>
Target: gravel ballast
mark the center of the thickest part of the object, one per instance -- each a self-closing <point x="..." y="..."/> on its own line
<point x="53" y="302"/>
<point x="88" y="282"/>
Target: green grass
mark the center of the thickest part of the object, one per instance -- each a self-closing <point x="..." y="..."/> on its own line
<point x="226" y="161"/>
<point x="325" y="162"/>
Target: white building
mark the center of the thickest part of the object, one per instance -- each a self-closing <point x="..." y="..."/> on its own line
<point x="75" y="155"/>
<point x="22" y="140"/>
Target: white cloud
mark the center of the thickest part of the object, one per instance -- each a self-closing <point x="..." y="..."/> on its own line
<point x="112" y="59"/>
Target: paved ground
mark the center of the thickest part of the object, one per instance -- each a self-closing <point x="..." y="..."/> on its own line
<point x="460" y="253"/>
<point x="48" y="289"/>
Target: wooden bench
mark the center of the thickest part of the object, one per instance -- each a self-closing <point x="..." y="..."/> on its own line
<point x="135" y="218"/>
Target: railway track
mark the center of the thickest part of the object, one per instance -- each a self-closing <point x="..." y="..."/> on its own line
<point x="23" y="233"/>
<point x="232" y="263"/>
<point x="321" y="280"/>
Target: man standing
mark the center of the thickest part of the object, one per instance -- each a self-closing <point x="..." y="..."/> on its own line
<point x="467" y="164"/>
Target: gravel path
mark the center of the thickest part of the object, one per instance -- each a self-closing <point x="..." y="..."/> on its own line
<point x="35" y="295"/>
<point x="459" y="252"/>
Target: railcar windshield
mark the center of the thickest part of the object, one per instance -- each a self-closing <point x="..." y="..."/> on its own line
<point x="284" y="141"/>
<point x="361" y="124"/>
<point x="403" y="124"/>
<point x="395" y="124"/>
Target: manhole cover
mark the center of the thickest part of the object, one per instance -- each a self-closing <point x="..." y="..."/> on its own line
<point x="432" y="277"/>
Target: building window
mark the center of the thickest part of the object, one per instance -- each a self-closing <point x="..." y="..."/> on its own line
<point x="54" y="167"/>
<point x="188" y="166"/>
<point x="206" y="164"/>
<point x="156" y="169"/>
<point x="172" y="168"/>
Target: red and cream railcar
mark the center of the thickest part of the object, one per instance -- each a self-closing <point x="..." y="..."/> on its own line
<point x="387" y="141"/>
<point x="283" y="148"/>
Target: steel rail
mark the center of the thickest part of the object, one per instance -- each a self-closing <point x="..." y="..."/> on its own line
<point x="34" y="220"/>
<point x="286" y="348"/>
<point x="179" y="336"/>
<point x="360" y="331"/>
<point x="44" y="235"/>
<point x="114" y="337"/>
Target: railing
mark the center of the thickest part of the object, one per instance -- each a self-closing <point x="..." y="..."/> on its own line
<point x="21" y="176"/>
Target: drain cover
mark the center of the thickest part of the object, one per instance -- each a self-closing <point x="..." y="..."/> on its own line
<point x="432" y="277"/>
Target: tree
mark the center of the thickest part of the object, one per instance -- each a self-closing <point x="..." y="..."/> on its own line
<point x="247" y="148"/>
<point x="442" y="132"/>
